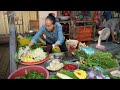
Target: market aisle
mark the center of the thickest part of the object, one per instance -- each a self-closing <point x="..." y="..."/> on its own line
<point x="4" y="61"/>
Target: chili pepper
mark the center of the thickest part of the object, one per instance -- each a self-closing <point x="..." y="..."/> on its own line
<point x="72" y="48"/>
<point x="70" y="67"/>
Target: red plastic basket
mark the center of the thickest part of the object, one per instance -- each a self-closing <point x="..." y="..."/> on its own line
<point x="21" y="71"/>
<point x="34" y="63"/>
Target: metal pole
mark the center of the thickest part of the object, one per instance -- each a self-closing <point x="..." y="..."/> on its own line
<point x="22" y="23"/>
<point x="12" y="44"/>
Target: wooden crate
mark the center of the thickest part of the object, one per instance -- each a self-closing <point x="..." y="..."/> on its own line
<point x="83" y="33"/>
<point x="83" y="39"/>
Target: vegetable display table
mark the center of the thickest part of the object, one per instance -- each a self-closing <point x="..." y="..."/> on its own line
<point x="110" y="47"/>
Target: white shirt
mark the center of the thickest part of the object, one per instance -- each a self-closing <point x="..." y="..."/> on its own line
<point x="113" y="24"/>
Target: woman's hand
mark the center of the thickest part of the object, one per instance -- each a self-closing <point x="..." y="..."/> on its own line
<point x="54" y="45"/>
<point x="44" y="36"/>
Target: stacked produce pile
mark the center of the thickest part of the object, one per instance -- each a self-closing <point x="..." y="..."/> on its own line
<point x="31" y="74"/>
<point x="35" y="55"/>
<point x="55" y="65"/>
<point x="102" y="59"/>
<point x="32" y="55"/>
<point x="90" y="67"/>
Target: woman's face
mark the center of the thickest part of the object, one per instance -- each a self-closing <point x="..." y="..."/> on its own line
<point x="49" y="25"/>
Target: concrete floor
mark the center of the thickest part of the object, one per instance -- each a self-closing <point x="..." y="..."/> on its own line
<point x="4" y="56"/>
<point x="4" y="61"/>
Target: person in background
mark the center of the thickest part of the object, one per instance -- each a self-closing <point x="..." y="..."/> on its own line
<point x="107" y="15"/>
<point x="97" y="18"/>
<point x="113" y="24"/>
<point x="53" y="34"/>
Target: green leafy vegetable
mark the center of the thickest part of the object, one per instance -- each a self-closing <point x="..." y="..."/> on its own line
<point x="81" y="66"/>
<point x="102" y="59"/>
<point x="79" y="53"/>
<point x="36" y="46"/>
<point x="32" y="74"/>
<point x="54" y="77"/>
<point x="107" y="73"/>
<point x="32" y="47"/>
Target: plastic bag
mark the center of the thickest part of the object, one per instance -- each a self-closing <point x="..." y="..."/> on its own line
<point x="88" y="50"/>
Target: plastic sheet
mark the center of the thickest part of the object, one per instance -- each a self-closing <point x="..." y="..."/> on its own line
<point x="88" y="50"/>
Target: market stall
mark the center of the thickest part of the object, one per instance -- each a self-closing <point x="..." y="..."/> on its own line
<point x="82" y="61"/>
<point x="86" y="64"/>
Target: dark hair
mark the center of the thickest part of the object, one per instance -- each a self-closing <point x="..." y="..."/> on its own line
<point x="51" y="17"/>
